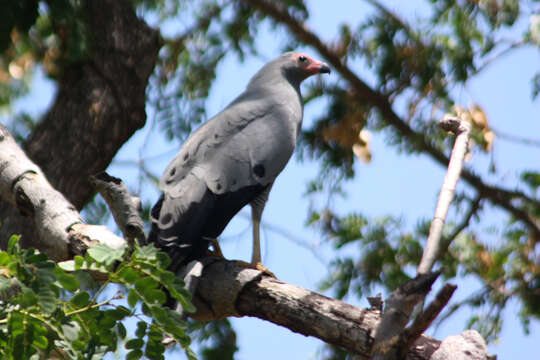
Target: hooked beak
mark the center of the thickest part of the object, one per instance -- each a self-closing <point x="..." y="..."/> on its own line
<point x="318" y="67"/>
<point x="324" y="69"/>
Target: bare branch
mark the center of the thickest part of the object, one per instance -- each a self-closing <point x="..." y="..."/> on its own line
<point x="516" y="139"/>
<point x="433" y="246"/>
<point x="229" y="289"/>
<point x="124" y="207"/>
<point x="59" y="225"/>
<point x="445" y="242"/>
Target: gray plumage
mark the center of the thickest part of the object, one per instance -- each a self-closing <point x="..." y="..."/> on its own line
<point x="232" y="160"/>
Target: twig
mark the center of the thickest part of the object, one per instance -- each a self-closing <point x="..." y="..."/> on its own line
<point x="516" y="139"/>
<point x="424" y="320"/>
<point x="433" y="246"/>
<point x="475" y="205"/>
<point x="124" y="207"/>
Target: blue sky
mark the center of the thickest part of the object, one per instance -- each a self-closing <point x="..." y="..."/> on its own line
<point x="392" y="183"/>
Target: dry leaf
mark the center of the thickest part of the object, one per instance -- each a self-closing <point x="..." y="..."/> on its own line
<point x="362" y="148"/>
<point x="349" y="134"/>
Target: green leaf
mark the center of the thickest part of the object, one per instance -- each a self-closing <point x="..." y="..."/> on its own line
<point x="41" y="342"/>
<point x="133" y="298"/>
<point x="5" y="258"/>
<point x="68" y="265"/>
<point x="121" y="330"/>
<point x="128" y="275"/>
<point x="147" y="289"/>
<point x="71" y="330"/>
<point x="39" y="260"/>
<point x="134" y="354"/>
<point x="13" y="243"/>
<point x="106" y="255"/>
<point x="141" y="329"/>
<point x="134" y="344"/>
<point x="79" y="262"/>
<point x="28" y="297"/>
<point x="68" y="281"/>
<point x="47" y="298"/>
<point x="80" y="300"/>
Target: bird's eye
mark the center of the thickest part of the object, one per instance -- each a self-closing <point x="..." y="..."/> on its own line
<point x="302" y="59"/>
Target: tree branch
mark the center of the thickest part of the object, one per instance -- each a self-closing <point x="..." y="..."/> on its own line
<point x="396" y="315"/>
<point x="434" y="247"/>
<point x="497" y="195"/>
<point x="424" y="320"/>
<point x="99" y="105"/>
<point x="229" y="289"/>
<point x="124" y="207"/>
<point x="59" y="225"/>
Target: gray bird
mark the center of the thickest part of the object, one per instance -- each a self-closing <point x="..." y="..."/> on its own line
<point x="232" y="160"/>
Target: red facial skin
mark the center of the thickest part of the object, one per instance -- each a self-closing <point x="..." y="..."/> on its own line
<point x="310" y="65"/>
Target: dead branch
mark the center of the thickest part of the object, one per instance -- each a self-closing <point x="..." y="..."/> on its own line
<point x="123" y="206"/>
<point x="433" y="247"/>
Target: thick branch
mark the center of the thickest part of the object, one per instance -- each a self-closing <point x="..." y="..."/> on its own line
<point x="228" y="289"/>
<point x="498" y="196"/>
<point x="99" y="105"/>
<point x="59" y="225"/>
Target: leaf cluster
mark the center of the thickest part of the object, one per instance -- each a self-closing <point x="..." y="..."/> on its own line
<point x="51" y="309"/>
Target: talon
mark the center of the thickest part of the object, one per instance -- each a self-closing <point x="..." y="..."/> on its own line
<point x="256" y="266"/>
<point x="264" y="269"/>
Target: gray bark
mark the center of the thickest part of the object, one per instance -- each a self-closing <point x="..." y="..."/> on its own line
<point x="229" y="289"/>
<point x="58" y="224"/>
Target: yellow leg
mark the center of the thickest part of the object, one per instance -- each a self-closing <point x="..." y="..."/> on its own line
<point x="257" y="266"/>
<point x="256" y="254"/>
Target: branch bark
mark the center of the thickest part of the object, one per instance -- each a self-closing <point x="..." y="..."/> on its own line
<point x="229" y="289"/>
<point x="434" y="246"/>
<point x="99" y="105"/>
<point x="58" y="223"/>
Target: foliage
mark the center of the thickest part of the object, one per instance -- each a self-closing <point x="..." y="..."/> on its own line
<point x="56" y="309"/>
<point x="217" y="339"/>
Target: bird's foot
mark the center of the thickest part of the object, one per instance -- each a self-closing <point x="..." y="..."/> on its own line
<point x="216" y="249"/>
<point x="256" y="266"/>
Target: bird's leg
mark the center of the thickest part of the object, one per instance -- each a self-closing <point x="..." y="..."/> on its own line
<point x="257" y="207"/>
<point x="256" y="254"/>
<point x="256" y="263"/>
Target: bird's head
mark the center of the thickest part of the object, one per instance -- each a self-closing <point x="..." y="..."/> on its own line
<point x="294" y="67"/>
<point x="300" y="66"/>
